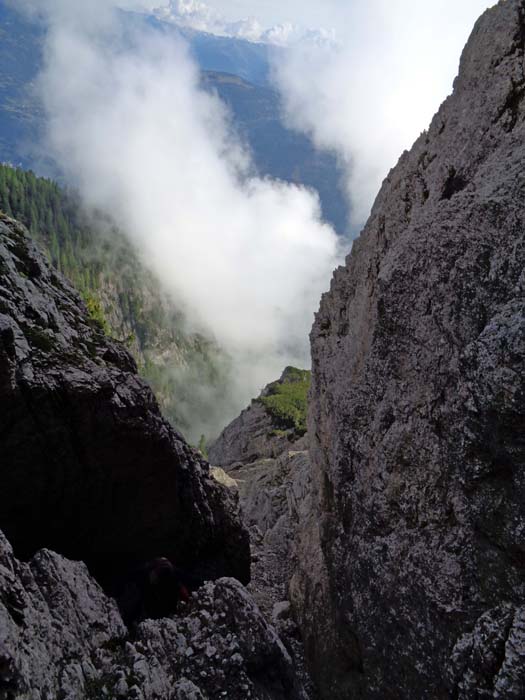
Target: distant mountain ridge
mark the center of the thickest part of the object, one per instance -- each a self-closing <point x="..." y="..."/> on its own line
<point x="204" y="19"/>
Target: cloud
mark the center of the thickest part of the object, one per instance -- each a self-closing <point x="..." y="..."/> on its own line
<point x="247" y="258"/>
<point x="198" y="15"/>
<point x="369" y="98"/>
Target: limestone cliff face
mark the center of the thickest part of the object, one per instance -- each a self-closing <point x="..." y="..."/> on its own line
<point x="418" y="410"/>
<point x="89" y="466"/>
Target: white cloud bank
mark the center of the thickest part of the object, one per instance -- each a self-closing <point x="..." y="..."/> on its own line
<point x="198" y="15"/>
<point x="369" y="98"/>
<point x="247" y="258"/>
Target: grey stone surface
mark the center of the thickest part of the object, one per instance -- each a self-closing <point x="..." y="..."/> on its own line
<point x="252" y="436"/>
<point x="247" y="439"/>
<point x="274" y="487"/>
<point x="274" y="496"/>
<point x="418" y="410"/>
<point x="489" y="661"/>
<point x="275" y="500"/>
<point x="89" y="467"/>
<point x="62" y="637"/>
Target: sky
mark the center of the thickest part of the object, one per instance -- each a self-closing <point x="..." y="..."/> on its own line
<point x="369" y="98"/>
<point x="361" y="78"/>
<point x="340" y="16"/>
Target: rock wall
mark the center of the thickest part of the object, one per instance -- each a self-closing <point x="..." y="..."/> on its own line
<point x="89" y="467"/>
<point x="275" y="504"/>
<point x="246" y="439"/>
<point x="418" y="411"/>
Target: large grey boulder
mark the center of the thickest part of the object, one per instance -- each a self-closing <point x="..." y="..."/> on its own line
<point x="89" y="467"/>
<point x="411" y="581"/>
<point x="62" y="637"/>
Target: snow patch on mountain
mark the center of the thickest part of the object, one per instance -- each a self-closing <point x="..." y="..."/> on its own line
<point x="198" y="15"/>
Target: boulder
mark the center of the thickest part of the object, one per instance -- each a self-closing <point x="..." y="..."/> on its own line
<point x="61" y="636"/>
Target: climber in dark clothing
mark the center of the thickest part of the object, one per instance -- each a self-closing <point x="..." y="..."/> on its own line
<point x="154" y="591"/>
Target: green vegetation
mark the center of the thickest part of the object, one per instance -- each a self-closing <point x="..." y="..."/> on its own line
<point x="96" y="313"/>
<point x="120" y="293"/>
<point x="287" y="400"/>
<point x="55" y="220"/>
<point x="192" y="390"/>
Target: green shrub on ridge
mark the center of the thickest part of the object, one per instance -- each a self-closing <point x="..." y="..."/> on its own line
<point x="287" y="400"/>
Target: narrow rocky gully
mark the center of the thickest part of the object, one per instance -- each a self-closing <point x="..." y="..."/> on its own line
<point x="270" y="471"/>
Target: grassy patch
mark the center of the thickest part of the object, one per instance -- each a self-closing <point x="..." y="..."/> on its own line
<point x="287" y="400"/>
<point x="96" y="312"/>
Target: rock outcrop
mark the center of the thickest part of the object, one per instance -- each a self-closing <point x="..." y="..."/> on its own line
<point x="89" y="467"/>
<point x="418" y="411"/>
<point x="257" y="433"/>
<point x="275" y="498"/>
<point x="61" y="636"/>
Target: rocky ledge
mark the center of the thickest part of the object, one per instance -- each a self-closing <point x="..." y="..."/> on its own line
<point x="272" y="423"/>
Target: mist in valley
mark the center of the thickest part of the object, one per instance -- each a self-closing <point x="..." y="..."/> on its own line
<point x="246" y="258"/>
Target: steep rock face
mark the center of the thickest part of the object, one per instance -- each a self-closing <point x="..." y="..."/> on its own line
<point x="60" y="636"/>
<point x="418" y="410"/>
<point x="246" y="438"/>
<point x="275" y="498"/>
<point x="89" y="466"/>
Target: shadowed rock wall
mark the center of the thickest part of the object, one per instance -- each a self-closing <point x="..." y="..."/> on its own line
<point x="60" y="636"/>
